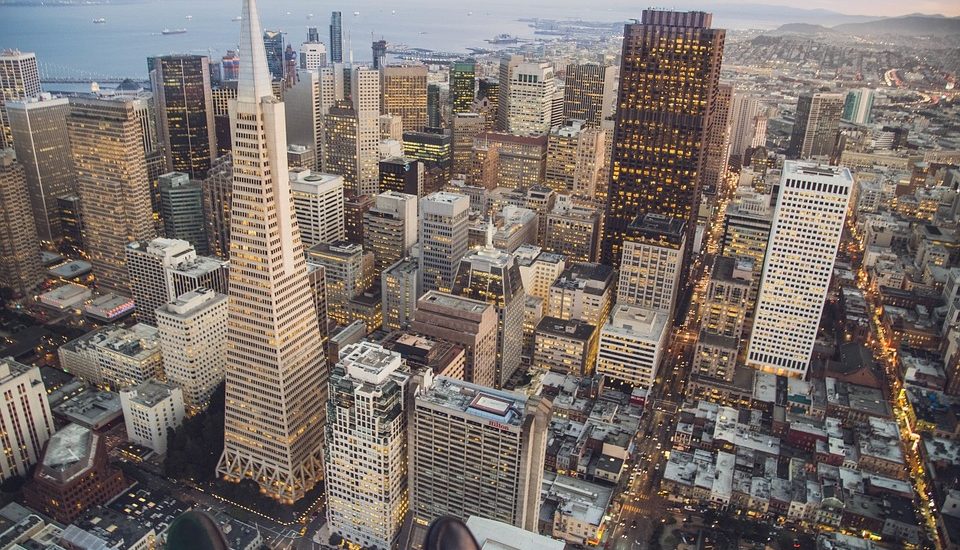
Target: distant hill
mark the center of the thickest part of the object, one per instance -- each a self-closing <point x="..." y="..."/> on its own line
<point x="801" y="28"/>
<point x="908" y="25"/>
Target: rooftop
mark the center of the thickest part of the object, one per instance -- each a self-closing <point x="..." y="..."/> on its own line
<point x="450" y="301"/>
<point x="69" y="453"/>
<point x="480" y="401"/>
<point x="369" y="362"/>
<point x="636" y="321"/>
<point x="91" y="408"/>
<point x="569" y="328"/>
<point x="149" y="393"/>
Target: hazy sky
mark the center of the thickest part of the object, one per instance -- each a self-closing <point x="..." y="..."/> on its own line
<point x="950" y="8"/>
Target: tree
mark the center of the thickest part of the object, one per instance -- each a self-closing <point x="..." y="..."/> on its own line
<point x="194" y="448"/>
<point x="335" y="539"/>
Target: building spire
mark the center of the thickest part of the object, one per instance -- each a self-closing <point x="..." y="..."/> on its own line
<point x="254" y="80"/>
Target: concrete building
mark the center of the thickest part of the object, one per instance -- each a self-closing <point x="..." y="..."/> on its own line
<point x="652" y="263"/>
<point x="341" y="145"/>
<point x="858" y="106"/>
<point x="74" y="475"/>
<point x="354" y="207"/>
<point x="748" y="118"/>
<point x="25" y="415"/>
<point x="724" y="311"/>
<point x="313" y="55"/>
<point x="19" y="80"/>
<point x="391" y="128"/>
<point x="402" y="175"/>
<point x="575" y="154"/>
<point x="632" y="344"/>
<point x="150" y="410"/>
<point x="492" y="275"/>
<point x="463" y="85"/>
<point x="217" y="197"/>
<point x="475" y="451"/>
<point x="469" y="323"/>
<point x="746" y="230"/>
<point x="466" y="127"/>
<point x="193" y="333"/>
<point x="531" y="89"/>
<point x="365" y="93"/>
<point x="433" y="147"/>
<point x="520" y="160"/>
<point x="718" y="141"/>
<point x="497" y="534"/>
<point x="20" y="266"/>
<point x="276" y="376"/>
<point x="366" y="469"/>
<point x="390" y="228"/>
<point x="318" y="202"/>
<point x="305" y="108"/>
<point x="539" y="270"/>
<point x="816" y="126"/>
<point x="198" y="272"/>
<point x="807" y="226"/>
<point x="107" y="139"/>
<point x="583" y="291"/>
<point x="181" y="208"/>
<point x="147" y="265"/>
<point x="573" y="230"/>
<point x="398" y="292"/>
<point x="349" y="272"/>
<point x="590" y="92"/>
<point x="114" y="357"/>
<point x="565" y="346"/>
<point x="423" y="353"/>
<point x="405" y="94"/>
<point x="39" y="129"/>
<point x="444" y="235"/>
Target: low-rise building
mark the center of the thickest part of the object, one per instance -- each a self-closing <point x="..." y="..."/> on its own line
<point x="632" y="344"/>
<point x="150" y="410"/>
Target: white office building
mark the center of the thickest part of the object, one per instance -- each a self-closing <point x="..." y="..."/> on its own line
<point x="25" y="414"/>
<point x="318" y="202"/>
<point x="807" y="226"/>
<point x="150" y="410"/>
<point x="444" y="237"/>
<point x="632" y="344"/>
<point x="193" y="335"/>
<point x="532" y="89"/>
<point x="366" y="465"/>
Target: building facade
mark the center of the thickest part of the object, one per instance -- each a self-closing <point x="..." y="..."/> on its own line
<point x="20" y="266"/>
<point x="444" y="235"/>
<point x="25" y="415"/>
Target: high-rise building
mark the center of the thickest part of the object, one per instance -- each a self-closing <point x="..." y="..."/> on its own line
<point x="19" y="79"/>
<point x="151" y="410"/>
<point x="435" y="108"/>
<point x="573" y="230"/>
<point x="652" y="263"/>
<point x="531" y="91"/>
<point x="659" y="145"/>
<point x="336" y="37"/>
<point x="398" y="291"/>
<point x="466" y="127"/>
<point x="405" y="94"/>
<point x="539" y="270"/>
<point x="181" y="207"/>
<point x="348" y="273"/>
<point x="402" y="175"/>
<point x="574" y="158"/>
<point x="390" y="228"/>
<point x="464" y="321"/>
<point x="39" y="129"/>
<point x="507" y="64"/>
<point x="858" y="105"/>
<point x="476" y="451"/>
<point x="354" y="207"/>
<point x="746" y="231"/>
<point x="521" y="161"/>
<point x="217" y="192"/>
<point x="341" y="148"/>
<point x="71" y="222"/>
<point x="718" y="141"/>
<point x="816" y="125"/>
<point x="444" y="235"/>
<point x="492" y="275"/>
<point x="583" y="291"/>
<point x="230" y="66"/>
<point x="305" y="110"/>
<point x="147" y="263"/>
<point x="20" y="267"/>
<point x="746" y="129"/>
<point x="433" y="146"/>
<point x="222" y="94"/>
<point x="565" y="346"/>
<point x="25" y="415"/>
<point x="276" y="373"/>
<point x="107" y="139"/>
<point x="365" y="93"/>
<point x="366" y="482"/>
<point x="724" y="311"/>
<point x="313" y="55"/>
<point x="184" y="102"/>
<point x="589" y="92"/>
<point x="463" y="84"/>
<point x="379" y="49"/>
<point x="632" y="345"/>
<point x="391" y="128"/>
<point x="807" y="225"/>
<point x="318" y="203"/>
<point x="196" y="272"/>
<point x="273" y="44"/>
<point x="193" y="344"/>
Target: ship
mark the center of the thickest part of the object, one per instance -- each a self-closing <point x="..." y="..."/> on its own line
<point x="189" y="17"/>
<point x="503" y="39"/>
<point x="99" y="21"/>
<point x="173" y="31"/>
<point x="237" y="18"/>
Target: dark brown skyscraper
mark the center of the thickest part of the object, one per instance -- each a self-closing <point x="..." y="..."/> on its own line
<point x="669" y="74"/>
<point x="181" y="85"/>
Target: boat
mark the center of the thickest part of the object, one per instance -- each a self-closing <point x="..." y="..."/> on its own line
<point x="503" y="39"/>
<point x="356" y="13"/>
<point x="173" y="31"/>
<point x="189" y="17"/>
<point x="237" y="18"/>
<point x="469" y="13"/>
<point x="99" y="21"/>
<point x="309" y="16"/>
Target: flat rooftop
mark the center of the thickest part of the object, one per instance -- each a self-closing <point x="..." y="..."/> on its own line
<point x="450" y="301"/>
<point x="483" y="402"/>
<point x="91" y="409"/>
<point x="149" y="393"/>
